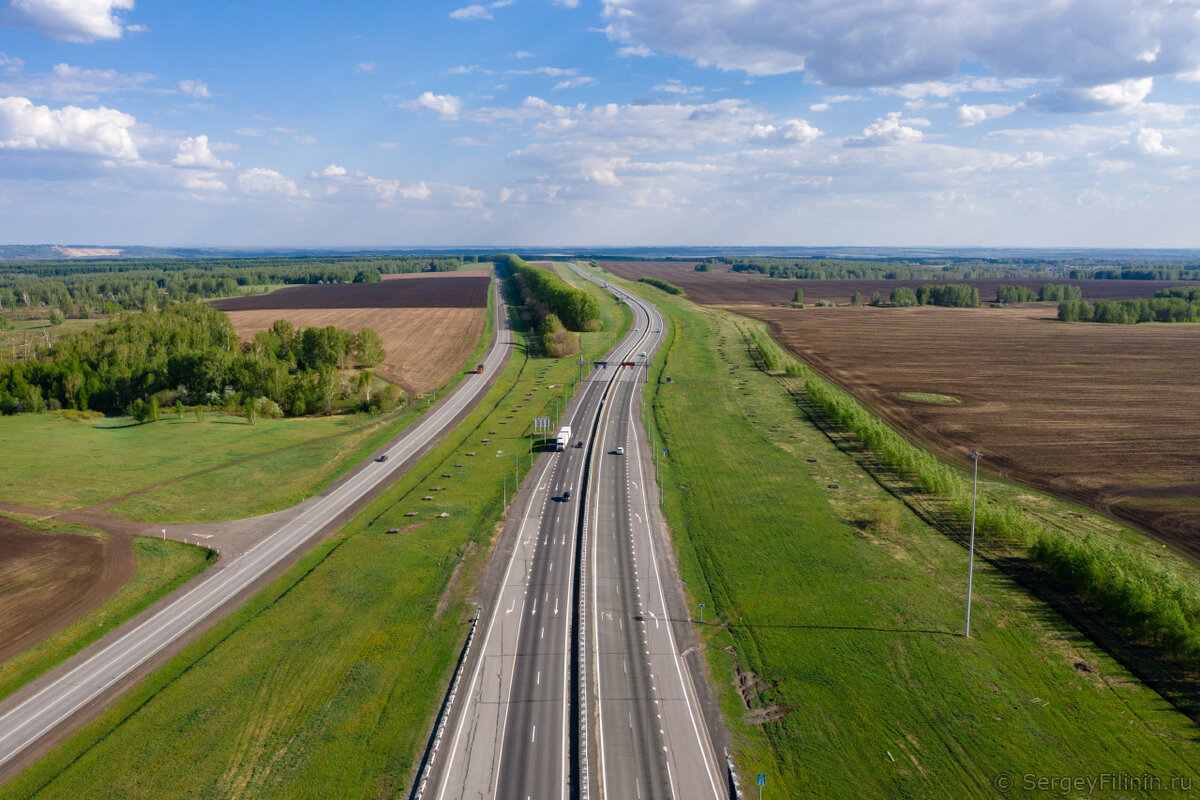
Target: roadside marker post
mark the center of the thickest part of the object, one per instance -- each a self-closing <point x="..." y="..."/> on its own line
<point x="702" y="613"/>
<point x="762" y="781"/>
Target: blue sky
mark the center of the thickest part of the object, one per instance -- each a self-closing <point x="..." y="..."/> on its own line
<point x="600" y="122"/>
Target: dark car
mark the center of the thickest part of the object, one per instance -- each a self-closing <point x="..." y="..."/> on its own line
<point x="566" y="495"/>
<point x="382" y="457"/>
<point x="579" y="444"/>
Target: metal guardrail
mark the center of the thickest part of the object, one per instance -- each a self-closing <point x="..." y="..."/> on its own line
<point x="444" y="714"/>
<point x="735" y="785"/>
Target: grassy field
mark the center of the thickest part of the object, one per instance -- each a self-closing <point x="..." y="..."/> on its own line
<point x="837" y="650"/>
<point x="325" y="684"/>
<point x="96" y="460"/>
<point x="162" y="566"/>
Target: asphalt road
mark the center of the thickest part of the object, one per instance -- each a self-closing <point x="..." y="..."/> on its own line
<point x="105" y="668"/>
<point x="511" y="737"/>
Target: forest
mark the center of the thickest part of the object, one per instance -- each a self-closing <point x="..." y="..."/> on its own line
<point x="188" y="354"/>
<point x="84" y="289"/>
<point x="1161" y="308"/>
<point x="952" y="269"/>
<point x="557" y="307"/>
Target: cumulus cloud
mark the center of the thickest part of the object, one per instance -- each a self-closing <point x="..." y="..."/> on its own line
<point x="866" y="43"/>
<point x="194" y="151"/>
<point x="268" y="183"/>
<point x="446" y="105"/>
<point x="1119" y="96"/>
<point x="973" y="115"/>
<point x="1150" y="142"/>
<point x="69" y="20"/>
<point x="338" y="180"/>
<point x="197" y="89"/>
<point x="888" y="130"/>
<point x="791" y="132"/>
<point x="102" y="132"/>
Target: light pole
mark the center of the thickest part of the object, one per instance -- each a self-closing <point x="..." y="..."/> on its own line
<point x="975" y="456"/>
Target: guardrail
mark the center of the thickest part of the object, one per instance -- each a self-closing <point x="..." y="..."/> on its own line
<point x="443" y="714"/>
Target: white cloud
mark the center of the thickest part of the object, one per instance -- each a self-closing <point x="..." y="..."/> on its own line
<point x="868" y="43"/>
<point x="69" y="20"/>
<point x="445" y="105"/>
<point x="1150" y="142"/>
<point x="1120" y="96"/>
<point x="365" y="67"/>
<point x="673" y="86"/>
<point x="888" y="130"/>
<point x="819" y="107"/>
<point x="65" y="82"/>
<point x="204" y="182"/>
<point x="101" y="131"/>
<point x="567" y="3"/>
<point x="332" y="171"/>
<point x="522" y="54"/>
<point x="194" y="151"/>
<point x="10" y="64"/>
<point x="553" y="72"/>
<point x="575" y="83"/>
<point x="973" y="115"/>
<point x="268" y="182"/>
<point x="197" y="89"/>
<point x="476" y="12"/>
<point x="791" y="132"/>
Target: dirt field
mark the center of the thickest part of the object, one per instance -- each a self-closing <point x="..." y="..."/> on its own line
<point x="734" y="288"/>
<point x="48" y="581"/>
<point x="422" y="290"/>
<point x="1106" y="415"/>
<point x="425" y="346"/>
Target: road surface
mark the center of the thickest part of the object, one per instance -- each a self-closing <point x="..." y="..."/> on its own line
<point x="515" y="734"/>
<point x="41" y="712"/>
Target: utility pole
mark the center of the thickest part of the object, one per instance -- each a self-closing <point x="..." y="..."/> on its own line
<point x="975" y="456"/>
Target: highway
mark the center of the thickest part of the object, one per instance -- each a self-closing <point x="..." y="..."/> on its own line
<point x="514" y="734"/>
<point x="96" y="676"/>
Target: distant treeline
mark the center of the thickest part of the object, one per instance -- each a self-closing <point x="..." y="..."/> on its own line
<point x="1160" y="308"/>
<point x="1050" y="292"/>
<point x="188" y="353"/>
<point x="950" y="295"/>
<point x="667" y="287"/>
<point x="952" y="269"/>
<point x="88" y="288"/>
<point x="557" y="306"/>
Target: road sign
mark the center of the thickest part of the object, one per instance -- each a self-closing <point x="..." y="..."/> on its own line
<point x="762" y="779"/>
<point x="541" y="424"/>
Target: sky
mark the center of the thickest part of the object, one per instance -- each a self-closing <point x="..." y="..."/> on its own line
<point x="593" y="123"/>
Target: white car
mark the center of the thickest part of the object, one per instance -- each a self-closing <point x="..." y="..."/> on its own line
<point x="620" y="451"/>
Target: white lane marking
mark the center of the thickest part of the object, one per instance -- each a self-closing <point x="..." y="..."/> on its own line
<point x="556" y="606"/>
<point x="533" y="736"/>
<point x="511" y="606"/>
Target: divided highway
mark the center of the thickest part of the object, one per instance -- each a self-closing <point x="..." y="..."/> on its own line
<point x="640" y="733"/>
<point x="40" y="712"/>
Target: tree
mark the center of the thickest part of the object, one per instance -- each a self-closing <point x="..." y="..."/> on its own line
<point x="365" y="382"/>
<point x="903" y="296"/>
<point x="56" y="317"/>
<point x="368" y="348"/>
<point x="72" y="384"/>
<point x="798" y="299"/>
<point x="179" y="410"/>
<point x="154" y="409"/>
<point x="876" y="299"/>
<point x="250" y="409"/>
<point x="856" y="299"/>
<point x="199" y="412"/>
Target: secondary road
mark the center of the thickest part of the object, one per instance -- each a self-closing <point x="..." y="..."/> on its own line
<point x="514" y="736"/>
<point x="29" y="717"/>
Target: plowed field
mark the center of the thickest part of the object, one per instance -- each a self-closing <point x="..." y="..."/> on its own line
<point x="735" y="288"/>
<point x="1106" y="415"/>
<point x="433" y="290"/>
<point x="425" y="346"/>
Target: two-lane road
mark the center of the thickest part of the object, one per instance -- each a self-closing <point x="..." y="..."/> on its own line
<point x="38" y="714"/>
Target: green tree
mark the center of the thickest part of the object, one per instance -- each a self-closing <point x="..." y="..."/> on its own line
<point x="368" y="348"/>
<point x="798" y="299"/>
<point x="250" y="409"/>
<point x="179" y="410"/>
<point x="856" y="299"/>
<point x="903" y="296"/>
<point x="876" y="299"/>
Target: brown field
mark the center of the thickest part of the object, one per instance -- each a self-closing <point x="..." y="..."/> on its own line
<point x="425" y="346"/>
<point x="422" y="290"/>
<point x="50" y="580"/>
<point x="1105" y="415"/>
<point x="735" y="288"/>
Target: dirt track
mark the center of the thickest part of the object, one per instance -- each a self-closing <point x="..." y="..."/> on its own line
<point x="48" y="581"/>
<point x="1106" y="415"/>
<point x="732" y="288"/>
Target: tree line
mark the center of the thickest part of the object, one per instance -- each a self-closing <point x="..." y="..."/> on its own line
<point x="951" y="295"/>
<point x="1049" y="292"/>
<point x="188" y="353"/>
<point x="657" y="283"/>
<point x="557" y="307"/>
<point x="1130" y="312"/>
<point x="941" y="268"/>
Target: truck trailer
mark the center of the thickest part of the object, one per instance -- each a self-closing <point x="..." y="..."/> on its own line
<point x="564" y="436"/>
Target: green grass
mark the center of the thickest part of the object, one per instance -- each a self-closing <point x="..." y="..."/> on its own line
<point x="162" y="566"/>
<point x="848" y="610"/>
<point x="325" y="684"/>
<point x="55" y="463"/>
<point x="930" y="397"/>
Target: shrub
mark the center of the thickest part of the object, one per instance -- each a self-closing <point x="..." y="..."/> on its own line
<point x="669" y="288"/>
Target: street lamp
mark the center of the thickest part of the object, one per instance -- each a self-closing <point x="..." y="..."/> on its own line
<point x="975" y="456"/>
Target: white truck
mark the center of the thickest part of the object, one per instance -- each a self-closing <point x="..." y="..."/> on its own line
<point x="564" y="436"/>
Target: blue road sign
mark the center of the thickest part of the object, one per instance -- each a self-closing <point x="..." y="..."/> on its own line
<point x="762" y="779"/>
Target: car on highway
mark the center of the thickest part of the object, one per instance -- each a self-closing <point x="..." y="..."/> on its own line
<point x="566" y="495"/>
<point x="382" y="457"/>
<point x="620" y="451"/>
<point x="579" y="444"/>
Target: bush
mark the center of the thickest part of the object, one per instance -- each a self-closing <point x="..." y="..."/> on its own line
<point x="669" y="288"/>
